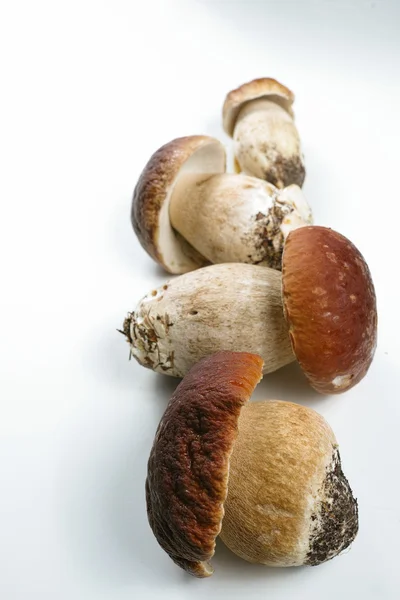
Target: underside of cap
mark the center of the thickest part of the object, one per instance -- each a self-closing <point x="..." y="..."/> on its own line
<point x="195" y="155"/>
<point x="330" y="305"/>
<point x="188" y="467"/>
<point x="257" y="88"/>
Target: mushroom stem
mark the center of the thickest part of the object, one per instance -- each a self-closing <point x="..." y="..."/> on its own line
<point x="233" y="307"/>
<point x="267" y="143"/>
<point x="288" y="502"/>
<point x="236" y="218"/>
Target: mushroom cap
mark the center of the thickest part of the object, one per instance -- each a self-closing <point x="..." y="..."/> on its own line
<point x="264" y="87"/>
<point x="288" y="501"/>
<point x="330" y="306"/>
<point x="188" y="467"/>
<point x="198" y="155"/>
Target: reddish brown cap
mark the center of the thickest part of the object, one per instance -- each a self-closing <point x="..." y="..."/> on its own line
<point x="200" y="155"/>
<point x="330" y="305"/>
<point x="265" y="87"/>
<point x="188" y="467"/>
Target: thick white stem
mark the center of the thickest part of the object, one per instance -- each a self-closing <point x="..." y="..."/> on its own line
<point x="237" y="218"/>
<point x="222" y="307"/>
<point x="267" y="143"/>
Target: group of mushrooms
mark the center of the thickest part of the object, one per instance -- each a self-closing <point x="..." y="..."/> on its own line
<point x="259" y="286"/>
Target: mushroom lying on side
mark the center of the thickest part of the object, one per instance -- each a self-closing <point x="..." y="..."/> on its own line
<point x="259" y="117"/>
<point x="187" y="212"/>
<point x="321" y="310"/>
<point x="220" y="307"/>
<point x="265" y="476"/>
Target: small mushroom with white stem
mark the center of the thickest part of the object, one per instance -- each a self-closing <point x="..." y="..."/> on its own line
<point x="259" y="117"/>
<point x="265" y="476"/>
<point x="187" y="212"/>
<point x="320" y="310"/>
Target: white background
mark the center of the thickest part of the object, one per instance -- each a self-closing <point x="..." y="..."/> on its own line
<point x="89" y="90"/>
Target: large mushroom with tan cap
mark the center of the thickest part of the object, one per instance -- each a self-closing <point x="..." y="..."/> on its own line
<point x="259" y="117"/>
<point x="264" y="476"/>
<point x="188" y="212"/>
<point x="321" y="310"/>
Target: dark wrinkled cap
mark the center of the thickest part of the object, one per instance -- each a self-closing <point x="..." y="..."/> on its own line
<point x="188" y="467"/>
<point x="330" y="305"/>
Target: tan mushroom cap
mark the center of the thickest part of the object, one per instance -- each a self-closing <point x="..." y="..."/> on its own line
<point x="330" y="305"/>
<point x="188" y="468"/>
<point x="264" y="87"/>
<point x="194" y="155"/>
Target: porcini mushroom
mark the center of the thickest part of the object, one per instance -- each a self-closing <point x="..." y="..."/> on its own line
<point x="187" y="212"/>
<point x="321" y="310"/>
<point x="265" y="476"/>
<point x="220" y="307"/>
<point x="259" y="117"/>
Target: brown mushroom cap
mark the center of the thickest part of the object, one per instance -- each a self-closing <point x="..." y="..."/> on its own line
<point x="195" y="155"/>
<point x="188" y="466"/>
<point x="330" y="305"/>
<point x="258" y="88"/>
